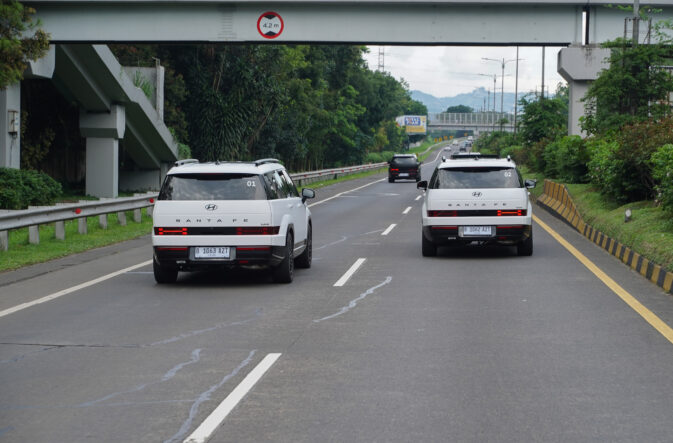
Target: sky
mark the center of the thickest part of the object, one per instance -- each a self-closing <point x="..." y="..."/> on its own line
<point x="446" y="71"/>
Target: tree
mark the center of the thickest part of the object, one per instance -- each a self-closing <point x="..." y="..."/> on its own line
<point x="634" y="88"/>
<point x="546" y="118"/>
<point x="20" y="40"/>
<point x="461" y="109"/>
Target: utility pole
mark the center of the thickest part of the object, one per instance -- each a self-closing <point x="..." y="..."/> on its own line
<point x="636" y="22"/>
<point x="516" y="88"/>
<point x="542" y="89"/>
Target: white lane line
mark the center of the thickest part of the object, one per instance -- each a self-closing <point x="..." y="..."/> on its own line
<point x="390" y="228"/>
<point x="58" y="294"/>
<point x="344" y="278"/>
<point x="418" y="198"/>
<point x="406" y="211"/>
<point x="215" y="419"/>
<point x="345" y="192"/>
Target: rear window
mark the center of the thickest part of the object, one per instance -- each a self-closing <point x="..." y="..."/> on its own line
<point x="212" y="187"/>
<point x="479" y="178"/>
<point x="405" y="162"/>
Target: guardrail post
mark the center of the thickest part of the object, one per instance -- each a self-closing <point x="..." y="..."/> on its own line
<point x="59" y="230"/>
<point x="149" y="210"/>
<point x="137" y="215"/>
<point x="102" y="221"/>
<point x="121" y="218"/>
<point x="4" y="240"/>
<point x="34" y="235"/>
<point x="82" y="227"/>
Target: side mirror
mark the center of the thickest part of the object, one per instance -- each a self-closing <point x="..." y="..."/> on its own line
<point x="423" y="184"/>
<point x="530" y="183"/>
<point x="307" y="193"/>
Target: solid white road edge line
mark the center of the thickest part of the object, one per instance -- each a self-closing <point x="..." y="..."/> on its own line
<point x="388" y="229"/>
<point x="406" y="211"/>
<point x="215" y="419"/>
<point x="345" y="192"/>
<point x="58" y="294"/>
<point x="344" y="278"/>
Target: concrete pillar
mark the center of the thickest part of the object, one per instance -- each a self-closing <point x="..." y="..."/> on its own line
<point x="103" y="132"/>
<point x="579" y="66"/>
<point x="10" y="128"/>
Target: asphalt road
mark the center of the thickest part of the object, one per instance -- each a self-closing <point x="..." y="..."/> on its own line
<point x="474" y="345"/>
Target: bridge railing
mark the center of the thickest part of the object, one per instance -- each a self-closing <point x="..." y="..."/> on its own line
<point x="33" y="217"/>
<point x="469" y="119"/>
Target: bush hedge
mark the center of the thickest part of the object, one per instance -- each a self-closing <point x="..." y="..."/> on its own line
<point x="566" y="159"/>
<point x="20" y="188"/>
<point x="662" y="171"/>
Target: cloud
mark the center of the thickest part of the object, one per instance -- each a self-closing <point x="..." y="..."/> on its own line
<point x="445" y="71"/>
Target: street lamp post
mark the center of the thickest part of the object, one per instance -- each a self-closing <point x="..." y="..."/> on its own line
<point x="502" y="62"/>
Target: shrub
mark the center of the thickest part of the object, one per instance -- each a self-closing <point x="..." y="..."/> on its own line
<point x="566" y="159"/>
<point x="516" y="152"/>
<point x="662" y="170"/>
<point x="20" y="188"/>
<point x="606" y="171"/>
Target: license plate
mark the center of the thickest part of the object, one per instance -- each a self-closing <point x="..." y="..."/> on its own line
<point x="212" y="252"/>
<point x="404" y="174"/>
<point x="479" y="231"/>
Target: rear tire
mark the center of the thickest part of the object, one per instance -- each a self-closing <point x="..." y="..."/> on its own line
<point x="525" y="248"/>
<point x="304" y="259"/>
<point x="428" y="248"/>
<point x="164" y="274"/>
<point x="284" y="272"/>
<point x="391" y="180"/>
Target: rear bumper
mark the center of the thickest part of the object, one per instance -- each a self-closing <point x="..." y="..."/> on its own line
<point x="412" y="174"/>
<point x="504" y="234"/>
<point x="182" y="257"/>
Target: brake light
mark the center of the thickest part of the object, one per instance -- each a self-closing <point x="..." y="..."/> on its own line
<point x="394" y="170"/>
<point x="170" y="231"/>
<point x="442" y="213"/>
<point x="257" y="230"/>
<point x="509" y="213"/>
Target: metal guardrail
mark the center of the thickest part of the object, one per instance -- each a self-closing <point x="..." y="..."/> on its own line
<point x="33" y="217"/>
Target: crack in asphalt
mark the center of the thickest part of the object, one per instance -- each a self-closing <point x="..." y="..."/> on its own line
<point x="353" y="303"/>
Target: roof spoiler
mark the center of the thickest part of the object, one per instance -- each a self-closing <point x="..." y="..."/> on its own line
<point x="262" y="161"/>
<point x="186" y="161"/>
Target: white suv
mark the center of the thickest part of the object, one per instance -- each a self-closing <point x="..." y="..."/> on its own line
<point x="226" y="214"/>
<point x="477" y="198"/>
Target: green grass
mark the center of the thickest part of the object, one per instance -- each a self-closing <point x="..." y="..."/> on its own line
<point x="22" y="253"/>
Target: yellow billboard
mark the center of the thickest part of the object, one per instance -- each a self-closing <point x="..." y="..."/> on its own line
<point x="413" y="124"/>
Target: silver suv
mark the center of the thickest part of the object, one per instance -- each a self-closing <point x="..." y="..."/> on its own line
<point x="231" y="214"/>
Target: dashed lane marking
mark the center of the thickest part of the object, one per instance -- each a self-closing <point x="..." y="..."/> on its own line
<point x="344" y="278"/>
<point x="406" y="211"/>
<point x="388" y="229"/>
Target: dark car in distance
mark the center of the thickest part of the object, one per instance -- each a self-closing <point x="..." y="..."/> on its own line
<point x="404" y="166"/>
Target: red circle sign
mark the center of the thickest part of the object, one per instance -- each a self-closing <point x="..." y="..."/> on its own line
<point x="270" y="25"/>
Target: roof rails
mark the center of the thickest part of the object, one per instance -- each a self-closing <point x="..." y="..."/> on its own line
<point x="186" y="161"/>
<point x="262" y="161"/>
<point x="471" y="155"/>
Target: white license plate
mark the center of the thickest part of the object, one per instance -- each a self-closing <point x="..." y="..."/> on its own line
<point x="212" y="252"/>
<point x="404" y="174"/>
<point x="480" y="231"/>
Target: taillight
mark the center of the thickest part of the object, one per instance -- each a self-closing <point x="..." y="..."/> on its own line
<point x="170" y="231"/>
<point x="257" y="230"/>
<point x="442" y="213"/>
<point x="510" y="213"/>
<point x="394" y="170"/>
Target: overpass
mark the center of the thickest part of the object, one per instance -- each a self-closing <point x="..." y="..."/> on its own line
<point x="388" y="22"/>
<point x="479" y="122"/>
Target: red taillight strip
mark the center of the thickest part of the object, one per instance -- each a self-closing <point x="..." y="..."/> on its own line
<point x="261" y="230"/>
<point x="393" y="169"/>
<point x="442" y="213"/>
<point x="170" y="231"/>
<point x="516" y="212"/>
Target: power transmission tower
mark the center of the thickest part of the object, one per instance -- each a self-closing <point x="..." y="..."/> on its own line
<point x="382" y="55"/>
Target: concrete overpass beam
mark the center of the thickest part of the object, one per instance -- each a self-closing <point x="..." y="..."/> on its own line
<point x="579" y="66"/>
<point x="103" y="132"/>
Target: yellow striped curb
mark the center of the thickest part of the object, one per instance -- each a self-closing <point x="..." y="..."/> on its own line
<point x="557" y="200"/>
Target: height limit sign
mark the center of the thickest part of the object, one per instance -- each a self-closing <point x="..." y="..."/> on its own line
<point x="270" y="25"/>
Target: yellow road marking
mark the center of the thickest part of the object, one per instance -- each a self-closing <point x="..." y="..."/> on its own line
<point x="630" y="300"/>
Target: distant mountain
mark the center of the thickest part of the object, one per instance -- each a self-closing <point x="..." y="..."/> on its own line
<point x="476" y="100"/>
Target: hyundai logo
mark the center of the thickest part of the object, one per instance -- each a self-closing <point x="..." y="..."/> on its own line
<point x="476" y="194"/>
<point x="211" y="207"/>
